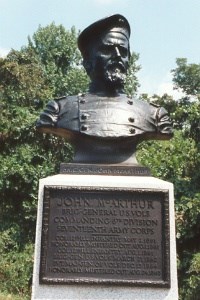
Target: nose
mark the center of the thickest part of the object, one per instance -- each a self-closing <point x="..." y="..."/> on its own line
<point x="117" y="52"/>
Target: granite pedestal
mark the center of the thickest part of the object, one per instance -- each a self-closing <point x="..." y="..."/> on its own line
<point x="80" y="214"/>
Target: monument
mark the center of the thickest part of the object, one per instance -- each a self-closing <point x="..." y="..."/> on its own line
<point x="105" y="227"/>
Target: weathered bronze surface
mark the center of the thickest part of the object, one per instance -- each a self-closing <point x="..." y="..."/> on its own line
<point x="105" y="235"/>
<point x="98" y="169"/>
<point x="105" y="125"/>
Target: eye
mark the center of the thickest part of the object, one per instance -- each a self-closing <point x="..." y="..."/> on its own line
<point x="123" y="51"/>
<point x="105" y="49"/>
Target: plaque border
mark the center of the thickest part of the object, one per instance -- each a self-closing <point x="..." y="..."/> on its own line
<point x="165" y="283"/>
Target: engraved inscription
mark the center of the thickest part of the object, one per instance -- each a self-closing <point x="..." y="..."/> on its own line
<point x="103" y="169"/>
<point x="105" y="236"/>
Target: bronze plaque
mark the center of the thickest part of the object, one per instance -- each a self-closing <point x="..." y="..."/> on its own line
<point x="105" y="235"/>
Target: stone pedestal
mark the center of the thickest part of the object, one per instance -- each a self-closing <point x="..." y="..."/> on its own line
<point x="105" y="237"/>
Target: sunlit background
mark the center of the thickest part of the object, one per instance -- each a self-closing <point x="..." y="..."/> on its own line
<point x="162" y="30"/>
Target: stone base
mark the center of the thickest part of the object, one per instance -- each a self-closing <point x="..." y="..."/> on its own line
<point x="100" y="291"/>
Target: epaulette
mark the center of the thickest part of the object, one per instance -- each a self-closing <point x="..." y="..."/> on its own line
<point x="60" y="98"/>
<point x="81" y="95"/>
<point x="153" y="104"/>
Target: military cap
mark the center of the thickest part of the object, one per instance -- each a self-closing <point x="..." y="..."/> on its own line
<point x="115" y="23"/>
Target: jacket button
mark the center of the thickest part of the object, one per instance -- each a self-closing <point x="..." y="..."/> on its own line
<point x="131" y="120"/>
<point x="83" y="117"/>
<point x="132" y="130"/>
<point x="83" y="128"/>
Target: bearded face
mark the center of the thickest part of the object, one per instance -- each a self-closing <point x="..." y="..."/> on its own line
<point x="109" y="59"/>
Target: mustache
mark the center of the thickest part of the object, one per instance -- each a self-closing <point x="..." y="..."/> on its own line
<point x="116" y="65"/>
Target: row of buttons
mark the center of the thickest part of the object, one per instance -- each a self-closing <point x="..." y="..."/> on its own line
<point x="82" y="99"/>
<point x="85" y="116"/>
<point x="85" y="128"/>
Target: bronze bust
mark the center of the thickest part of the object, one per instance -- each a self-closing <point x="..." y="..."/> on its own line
<point x="104" y="124"/>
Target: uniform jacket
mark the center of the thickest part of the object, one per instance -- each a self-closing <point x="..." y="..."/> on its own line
<point x="105" y="117"/>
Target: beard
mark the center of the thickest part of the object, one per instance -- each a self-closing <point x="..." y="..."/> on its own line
<point x="115" y="74"/>
<point x="112" y="73"/>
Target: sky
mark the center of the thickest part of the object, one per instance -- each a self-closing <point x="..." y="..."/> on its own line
<point x="161" y="30"/>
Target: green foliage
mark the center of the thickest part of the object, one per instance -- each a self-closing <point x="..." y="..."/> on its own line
<point x="187" y="77"/>
<point x="50" y="66"/>
<point x="16" y="262"/>
<point x="170" y="160"/>
<point x="26" y="83"/>
<point x="190" y="285"/>
<point x="187" y="114"/>
<point x="56" y="46"/>
<point x="165" y="101"/>
<point x="22" y="78"/>
<point x="178" y="161"/>
<point x="61" y="60"/>
<point x="5" y="296"/>
<point x="132" y="83"/>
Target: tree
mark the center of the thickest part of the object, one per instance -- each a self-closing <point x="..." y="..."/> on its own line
<point x="49" y="66"/>
<point x="187" y="77"/>
<point x="132" y="83"/>
<point x="178" y="161"/>
<point x="61" y="60"/>
<point x="26" y="84"/>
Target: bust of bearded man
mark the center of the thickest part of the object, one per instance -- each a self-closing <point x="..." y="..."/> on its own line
<point x="105" y="125"/>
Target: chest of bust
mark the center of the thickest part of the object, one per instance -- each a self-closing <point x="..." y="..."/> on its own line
<point x="104" y="116"/>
